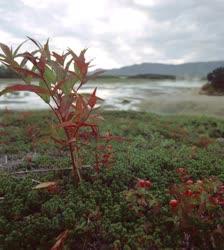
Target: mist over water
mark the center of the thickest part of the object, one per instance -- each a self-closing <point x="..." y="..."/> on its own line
<point x="162" y="96"/>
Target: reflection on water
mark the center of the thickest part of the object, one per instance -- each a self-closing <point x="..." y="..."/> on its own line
<point x="164" y="96"/>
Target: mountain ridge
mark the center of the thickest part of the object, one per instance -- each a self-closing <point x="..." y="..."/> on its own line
<point x="191" y="69"/>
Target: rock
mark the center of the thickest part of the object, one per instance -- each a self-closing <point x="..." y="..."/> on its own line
<point x="220" y="140"/>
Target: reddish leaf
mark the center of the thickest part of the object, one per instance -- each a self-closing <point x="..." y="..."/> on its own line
<point x="92" y="99"/>
<point x="67" y="124"/>
<point x="74" y="56"/>
<point x="70" y="124"/>
<point x="24" y="60"/>
<point x="41" y="65"/>
<point x="65" y="105"/>
<point x="60" y="59"/>
<point x="6" y="49"/>
<point x="26" y="72"/>
<point x="21" y="87"/>
<point x="30" y="57"/>
<point x="80" y="104"/>
<point x="83" y="66"/>
<point x="35" y="42"/>
<point x="80" y="61"/>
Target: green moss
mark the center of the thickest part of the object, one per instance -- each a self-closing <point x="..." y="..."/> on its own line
<point x="96" y="212"/>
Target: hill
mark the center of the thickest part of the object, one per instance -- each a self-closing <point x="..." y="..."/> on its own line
<point x="195" y="69"/>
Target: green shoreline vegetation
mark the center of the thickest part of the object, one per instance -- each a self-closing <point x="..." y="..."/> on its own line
<point x="96" y="212"/>
<point x="140" y="76"/>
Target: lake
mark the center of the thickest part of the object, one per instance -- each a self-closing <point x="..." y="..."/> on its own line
<point x="159" y="96"/>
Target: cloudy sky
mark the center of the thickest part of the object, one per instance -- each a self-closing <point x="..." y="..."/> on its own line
<point x="120" y="32"/>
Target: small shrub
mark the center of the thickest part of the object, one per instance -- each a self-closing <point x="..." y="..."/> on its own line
<point x="60" y="78"/>
<point x="216" y="78"/>
<point x="215" y="85"/>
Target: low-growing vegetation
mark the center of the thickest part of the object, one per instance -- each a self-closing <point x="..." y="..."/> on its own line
<point x="164" y="189"/>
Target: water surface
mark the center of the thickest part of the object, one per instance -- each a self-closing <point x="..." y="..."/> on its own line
<point x="162" y="96"/>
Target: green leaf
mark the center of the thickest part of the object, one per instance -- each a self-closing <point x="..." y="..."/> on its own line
<point x="44" y="97"/>
<point x="49" y="76"/>
<point x="59" y="70"/>
<point x="28" y="79"/>
<point x="69" y="83"/>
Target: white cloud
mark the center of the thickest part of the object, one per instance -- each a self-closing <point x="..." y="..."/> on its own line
<point x="149" y="3"/>
<point x="40" y="4"/>
<point x="120" y="32"/>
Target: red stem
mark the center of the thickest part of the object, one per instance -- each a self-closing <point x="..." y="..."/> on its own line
<point x="75" y="165"/>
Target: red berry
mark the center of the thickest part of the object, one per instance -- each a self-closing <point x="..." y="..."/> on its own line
<point x="188" y="192"/>
<point x="141" y="183"/>
<point x="144" y="183"/>
<point x="221" y="202"/>
<point x="148" y="184"/>
<point x="189" y="182"/>
<point x="173" y="203"/>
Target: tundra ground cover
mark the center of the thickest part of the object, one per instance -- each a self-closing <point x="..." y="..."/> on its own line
<point x="134" y="204"/>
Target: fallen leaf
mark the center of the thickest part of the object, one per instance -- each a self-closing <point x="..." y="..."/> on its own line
<point x="47" y="184"/>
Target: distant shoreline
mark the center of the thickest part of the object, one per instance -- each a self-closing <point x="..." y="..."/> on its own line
<point x="150" y="77"/>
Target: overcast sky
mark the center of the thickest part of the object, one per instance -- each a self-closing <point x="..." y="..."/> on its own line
<point x="120" y="32"/>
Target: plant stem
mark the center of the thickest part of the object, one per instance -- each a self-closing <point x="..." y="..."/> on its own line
<point x="75" y="165"/>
